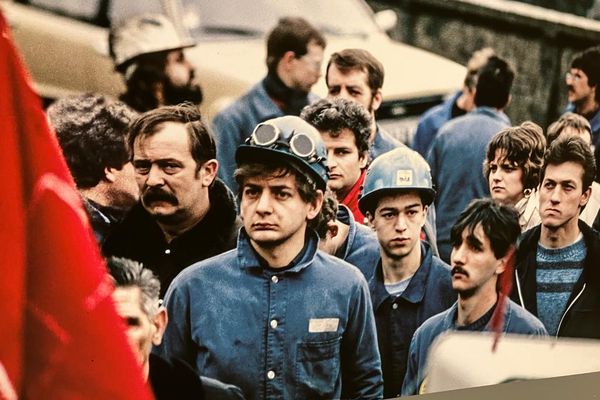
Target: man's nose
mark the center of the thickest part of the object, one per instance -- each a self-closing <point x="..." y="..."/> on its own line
<point x="457" y="257"/>
<point x="264" y="203"/>
<point x="155" y="177"/>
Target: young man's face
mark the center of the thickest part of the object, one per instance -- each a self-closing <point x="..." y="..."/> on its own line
<point x="142" y="330"/>
<point x="398" y="220"/>
<point x="578" y="89"/>
<point x="344" y="160"/>
<point x="505" y="180"/>
<point x="352" y="85"/>
<point x="561" y="195"/>
<point x="474" y="265"/>
<point x="306" y="69"/>
<point x="180" y="84"/>
<point x="273" y="211"/>
<point x="172" y="190"/>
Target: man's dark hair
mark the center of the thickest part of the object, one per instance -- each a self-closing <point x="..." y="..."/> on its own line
<point x="128" y="273"/>
<point x="500" y="225"/>
<point x="358" y="59"/>
<point x="333" y="115"/>
<point x="202" y="143"/>
<point x="573" y="149"/>
<point x="589" y="62"/>
<point x="291" y="34"/>
<point x="141" y="76"/>
<point x="478" y="59"/>
<point x="568" y="120"/>
<point x="494" y="83"/>
<point x="328" y="213"/>
<point x="522" y="145"/>
<point x="92" y="132"/>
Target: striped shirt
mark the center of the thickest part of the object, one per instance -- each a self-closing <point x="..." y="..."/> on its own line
<point x="557" y="272"/>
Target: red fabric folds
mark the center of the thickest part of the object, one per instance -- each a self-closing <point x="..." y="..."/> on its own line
<point x="60" y="337"/>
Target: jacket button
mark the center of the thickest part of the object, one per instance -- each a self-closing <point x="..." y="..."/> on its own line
<point x="395" y="306"/>
<point x="168" y="251"/>
<point x="271" y="374"/>
<point x="274" y="279"/>
<point x="273" y="323"/>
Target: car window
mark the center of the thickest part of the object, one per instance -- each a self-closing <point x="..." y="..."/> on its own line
<point x="120" y="10"/>
<point x="83" y="10"/>
<point x="257" y="17"/>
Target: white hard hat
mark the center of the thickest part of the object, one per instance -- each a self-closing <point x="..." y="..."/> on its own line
<point x="143" y="34"/>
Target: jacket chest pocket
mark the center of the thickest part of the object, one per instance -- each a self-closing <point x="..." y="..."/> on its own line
<point x="318" y="369"/>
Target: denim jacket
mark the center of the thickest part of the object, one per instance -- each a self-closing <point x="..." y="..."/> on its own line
<point x="516" y="320"/>
<point x="303" y="333"/>
<point x="361" y="248"/>
<point x="382" y="143"/>
<point x="456" y="157"/>
<point x="428" y="293"/>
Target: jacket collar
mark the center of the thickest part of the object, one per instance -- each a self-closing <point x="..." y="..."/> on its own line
<point x="492" y="113"/>
<point x="247" y="257"/>
<point x="415" y="291"/>
<point x="345" y="216"/>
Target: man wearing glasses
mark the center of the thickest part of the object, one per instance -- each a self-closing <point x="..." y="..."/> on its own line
<point x="294" y="57"/>
<point x="582" y="81"/>
<point x="276" y="316"/>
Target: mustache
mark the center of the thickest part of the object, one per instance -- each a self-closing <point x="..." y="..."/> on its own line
<point x="155" y="194"/>
<point x="459" y="270"/>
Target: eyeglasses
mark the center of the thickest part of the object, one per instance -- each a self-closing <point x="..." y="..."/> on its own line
<point x="300" y="143"/>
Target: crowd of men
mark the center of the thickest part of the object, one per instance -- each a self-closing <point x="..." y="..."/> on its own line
<point x="302" y="251"/>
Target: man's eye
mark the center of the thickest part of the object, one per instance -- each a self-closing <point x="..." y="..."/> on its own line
<point x="334" y="91"/>
<point x="132" y="321"/>
<point x="171" y="168"/>
<point x="141" y="168"/>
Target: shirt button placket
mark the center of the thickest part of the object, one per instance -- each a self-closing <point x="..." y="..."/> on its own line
<point x="275" y="338"/>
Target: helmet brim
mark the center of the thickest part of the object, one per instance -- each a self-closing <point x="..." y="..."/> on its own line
<point x="249" y="154"/>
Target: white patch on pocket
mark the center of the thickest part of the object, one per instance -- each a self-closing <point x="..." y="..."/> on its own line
<point x="319" y="325"/>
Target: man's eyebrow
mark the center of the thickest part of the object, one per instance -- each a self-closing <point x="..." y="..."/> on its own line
<point x="474" y="242"/>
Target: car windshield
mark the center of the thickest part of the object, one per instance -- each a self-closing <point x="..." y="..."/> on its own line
<point x="255" y="18"/>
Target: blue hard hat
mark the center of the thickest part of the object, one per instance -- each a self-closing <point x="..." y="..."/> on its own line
<point x="397" y="170"/>
<point x="287" y="138"/>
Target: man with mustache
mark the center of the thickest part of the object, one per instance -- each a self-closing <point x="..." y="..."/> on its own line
<point x="557" y="263"/>
<point x="409" y="284"/>
<point x="582" y="88"/>
<point x="185" y="214"/>
<point x="276" y="316"/>
<point x="483" y="240"/>
<point x="148" y="51"/>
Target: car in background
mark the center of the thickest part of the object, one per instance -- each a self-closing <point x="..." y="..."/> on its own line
<point x="65" y="46"/>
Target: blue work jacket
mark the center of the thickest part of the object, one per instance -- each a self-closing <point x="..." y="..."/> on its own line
<point x="361" y="247"/>
<point x="428" y="293"/>
<point x="302" y="333"/>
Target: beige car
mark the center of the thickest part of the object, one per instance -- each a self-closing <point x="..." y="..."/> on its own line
<point x="65" y="46"/>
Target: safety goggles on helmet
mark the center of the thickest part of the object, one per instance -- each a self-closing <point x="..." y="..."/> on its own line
<point x="300" y="144"/>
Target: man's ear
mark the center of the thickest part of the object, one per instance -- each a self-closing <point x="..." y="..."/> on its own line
<point x="332" y="229"/>
<point x="585" y="197"/>
<point x="503" y="262"/>
<point x="377" y="100"/>
<point x="315" y="205"/>
<point x="208" y="172"/>
<point x="287" y="59"/>
<point x="363" y="160"/>
<point x="109" y="174"/>
<point x="160" y="324"/>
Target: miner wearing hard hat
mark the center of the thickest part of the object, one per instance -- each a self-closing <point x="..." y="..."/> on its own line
<point x="410" y="284"/>
<point x="276" y="316"/>
<point x="148" y="51"/>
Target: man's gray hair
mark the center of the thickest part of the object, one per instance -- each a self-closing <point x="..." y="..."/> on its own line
<point x="129" y="273"/>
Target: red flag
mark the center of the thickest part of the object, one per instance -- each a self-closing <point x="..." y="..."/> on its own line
<point x="504" y="286"/>
<point x="60" y="337"/>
